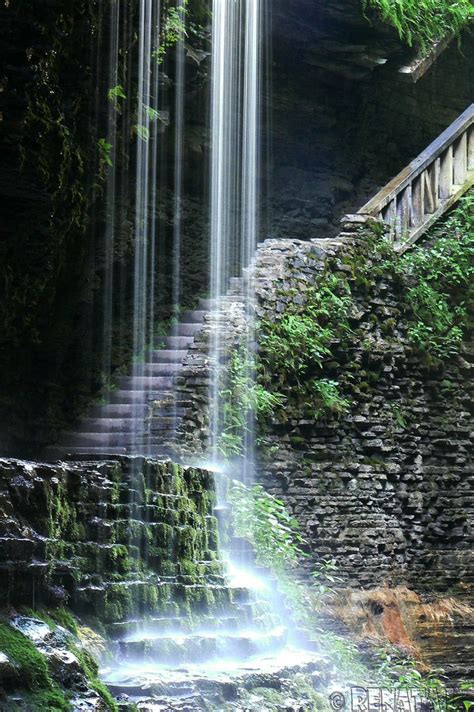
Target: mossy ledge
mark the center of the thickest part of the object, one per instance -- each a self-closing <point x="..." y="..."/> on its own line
<point x="99" y="544"/>
<point x="111" y="539"/>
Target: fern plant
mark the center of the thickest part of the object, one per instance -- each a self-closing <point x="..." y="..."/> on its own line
<point x="423" y="22"/>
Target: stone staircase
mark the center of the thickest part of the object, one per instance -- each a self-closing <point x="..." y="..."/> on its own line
<point x="144" y="407"/>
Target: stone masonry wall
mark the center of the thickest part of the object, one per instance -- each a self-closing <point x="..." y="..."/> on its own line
<point x="386" y="490"/>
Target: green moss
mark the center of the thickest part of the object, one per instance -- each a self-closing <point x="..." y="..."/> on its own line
<point x="64" y="618"/>
<point x="33" y="670"/>
<point x="91" y="670"/>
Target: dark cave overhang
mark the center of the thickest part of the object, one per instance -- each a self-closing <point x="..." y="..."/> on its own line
<point x="339" y="37"/>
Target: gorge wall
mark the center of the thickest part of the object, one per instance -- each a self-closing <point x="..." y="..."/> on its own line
<point x="385" y="489"/>
<point x="337" y="126"/>
<point x="111" y="540"/>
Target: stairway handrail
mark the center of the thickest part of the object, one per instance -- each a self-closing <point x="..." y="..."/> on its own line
<point x="418" y="165"/>
<point x="428" y="186"/>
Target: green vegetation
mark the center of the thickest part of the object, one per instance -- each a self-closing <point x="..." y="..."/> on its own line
<point x="263" y="521"/>
<point x="41" y="691"/>
<point x="305" y="352"/>
<point x="243" y="399"/>
<point x="397" y="671"/>
<point x="295" y="347"/>
<point x="423" y="22"/>
<point x="173" y="28"/>
<point x="441" y="291"/>
<point x="91" y="670"/>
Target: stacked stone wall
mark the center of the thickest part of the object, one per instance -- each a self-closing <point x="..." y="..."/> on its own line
<point x="386" y="489"/>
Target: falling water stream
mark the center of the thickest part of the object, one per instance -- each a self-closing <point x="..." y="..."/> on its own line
<point x="235" y="169"/>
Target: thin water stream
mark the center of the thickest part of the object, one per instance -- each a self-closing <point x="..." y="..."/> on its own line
<point x="258" y="640"/>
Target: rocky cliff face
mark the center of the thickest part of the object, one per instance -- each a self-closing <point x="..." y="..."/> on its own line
<point x="337" y="139"/>
<point x="110" y="539"/>
<point x="384" y="489"/>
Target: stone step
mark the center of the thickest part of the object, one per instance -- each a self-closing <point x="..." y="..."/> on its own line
<point x="112" y="425"/>
<point x="166" y="355"/>
<point x="163" y="423"/>
<point x="190" y="329"/>
<point x="139" y="397"/>
<point x="175" y="342"/>
<point x="97" y="439"/>
<point x="161" y="369"/>
<point x="145" y="384"/>
<point x="71" y="451"/>
<point x="119" y="410"/>
<point x="179" y="648"/>
<point x="126" y="411"/>
<point x="159" y="687"/>
<point x="155" y="626"/>
<point x="193" y="317"/>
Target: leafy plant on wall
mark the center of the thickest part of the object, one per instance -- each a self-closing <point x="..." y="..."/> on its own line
<point x="423" y="23"/>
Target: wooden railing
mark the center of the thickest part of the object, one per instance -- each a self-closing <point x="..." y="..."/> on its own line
<point x="428" y="186"/>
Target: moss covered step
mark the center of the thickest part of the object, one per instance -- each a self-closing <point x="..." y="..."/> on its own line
<point x="179" y="648"/>
<point x="162" y="625"/>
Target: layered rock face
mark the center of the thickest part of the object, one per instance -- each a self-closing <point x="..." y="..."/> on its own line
<point x="385" y="489"/>
<point x="112" y="539"/>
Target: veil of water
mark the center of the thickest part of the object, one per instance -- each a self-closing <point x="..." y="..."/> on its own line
<point x="146" y="176"/>
<point x="111" y="191"/>
<point x="235" y="168"/>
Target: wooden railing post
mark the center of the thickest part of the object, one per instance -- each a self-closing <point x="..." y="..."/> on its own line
<point x="411" y="202"/>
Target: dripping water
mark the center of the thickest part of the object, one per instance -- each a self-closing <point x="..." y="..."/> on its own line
<point x="145" y="197"/>
<point x="179" y="133"/>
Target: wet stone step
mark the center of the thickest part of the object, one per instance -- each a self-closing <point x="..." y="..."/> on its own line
<point x="175" y="342"/>
<point x="194" y="647"/>
<point x="197" y="316"/>
<point x="140" y="397"/>
<point x="166" y="355"/>
<point x="187" y="329"/>
<point x="109" y="425"/>
<point x="120" y="410"/>
<point x="158" y="626"/>
<point x="92" y="451"/>
<point x="161" y="369"/>
<point x="95" y="439"/>
<point x="145" y="383"/>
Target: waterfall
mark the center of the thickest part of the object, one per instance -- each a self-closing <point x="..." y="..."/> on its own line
<point x="144" y="229"/>
<point x="179" y="131"/>
<point x="235" y="169"/>
<point x="110" y="193"/>
<point x="239" y="626"/>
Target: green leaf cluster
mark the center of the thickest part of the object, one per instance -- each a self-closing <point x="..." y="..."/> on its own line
<point x="423" y="22"/>
<point x="243" y="401"/>
<point x="441" y="279"/>
<point x="295" y="347"/>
